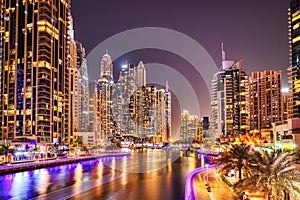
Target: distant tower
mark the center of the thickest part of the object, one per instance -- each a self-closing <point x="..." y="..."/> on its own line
<point x="168" y="113"/>
<point x="141" y="74"/>
<point x="84" y="101"/>
<point x="92" y="95"/>
<point x="229" y="94"/>
<point x="103" y="100"/>
<point x="189" y="125"/>
<point x="106" y="67"/>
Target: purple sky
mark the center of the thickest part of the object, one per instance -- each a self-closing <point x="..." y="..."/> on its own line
<point x="255" y="31"/>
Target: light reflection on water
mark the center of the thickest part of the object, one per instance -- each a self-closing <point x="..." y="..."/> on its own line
<point x="42" y="180"/>
<point x="29" y="184"/>
<point x="109" y="177"/>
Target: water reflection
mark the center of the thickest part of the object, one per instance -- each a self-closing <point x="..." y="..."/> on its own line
<point x="42" y="180"/>
<point x="107" y="178"/>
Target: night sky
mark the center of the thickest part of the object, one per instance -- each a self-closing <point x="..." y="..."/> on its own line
<point x="255" y="31"/>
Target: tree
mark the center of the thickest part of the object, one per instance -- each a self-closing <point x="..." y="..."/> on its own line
<point x="5" y="150"/>
<point x="221" y="146"/>
<point x="273" y="173"/>
<point x="235" y="158"/>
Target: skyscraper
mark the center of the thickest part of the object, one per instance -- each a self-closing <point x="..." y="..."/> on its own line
<point x="287" y="108"/>
<point x="141" y="74"/>
<point x="168" y="113"/>
<point x="265" y="101"/>
<point x="294" y="69"/>
<point x="84" y="90"/>
<point x="92" y="99"/>
<point x="106" y="67"/>
<point x="35" y="70"/>
<point x="125" y="110"/>
<point x="229" y="96"/>
<point x="122" y="91"/>
<point x="103" y="101"/>
<point x="190" y="127"/>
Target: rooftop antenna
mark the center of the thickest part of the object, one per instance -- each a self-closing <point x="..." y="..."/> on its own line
<point x="167" y="86"/>
<point x="223" y="52"/>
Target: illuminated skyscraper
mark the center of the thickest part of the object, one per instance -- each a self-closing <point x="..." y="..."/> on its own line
<point x="92" y="98"/>
<point x="74" y="88"/>
<point x="84" y="90"/>
<point x="141" y="74"/>
<point x="2" y="32"/>
<point x="151" y="113"/>
<point x="294" y="69"/>
<point x="103" y="101"/>
<point x="35" y="70"/>
<point x="229" y="97"/>
<point x="106" y="67"/>
<point x="265" y="101"/>
<point x="125" y="110"/>
<point x="168" y="114"/>
<point x="189" y="127"/>
<point x="122" y="90"/>
<point x="287" y="107"/>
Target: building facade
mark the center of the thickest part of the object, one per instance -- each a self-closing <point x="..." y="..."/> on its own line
<point x="84" y="88"/>
<point x="229" y="97"/>
<point x="35" y="70"/>
<point x="129" y="107"/>
<point x="190" y="128"/>
<point x="265" y="101"/>
<point x="287" y="106"/>
<point x="122" y="91"/>
<point x="168" y="114"/>
<point x="105" y="126"/>
<point x="92" y="99"/>
<point x="294" y="69"/>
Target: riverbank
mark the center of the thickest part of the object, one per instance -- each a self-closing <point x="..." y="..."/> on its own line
<point x="18" y="167"/>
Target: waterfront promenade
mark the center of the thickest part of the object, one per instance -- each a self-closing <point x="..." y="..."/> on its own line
<point x="204" y="184"/>
<point x="40" y="163"/>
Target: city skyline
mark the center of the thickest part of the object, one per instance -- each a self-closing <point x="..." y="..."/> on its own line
<point x="185" y="95"/>
<point x="260" y="39"/>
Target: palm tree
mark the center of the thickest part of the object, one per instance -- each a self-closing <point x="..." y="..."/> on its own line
<point x="272" y="173"/>
<point x="235" y="158"/>
<point x="5" y="150"/>
<point x="220" y="145"/>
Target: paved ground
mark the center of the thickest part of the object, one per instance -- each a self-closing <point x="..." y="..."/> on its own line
<point x="15" y="167"/>
<point x="219" y="190"/>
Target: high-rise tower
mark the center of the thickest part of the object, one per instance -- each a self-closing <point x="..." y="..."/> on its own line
<point x="35" y="70"/>
<point x="103" y="101"/>
<point x="229" y="96"/>
<point x="141" y="74"/>
<point x="294" y="69"/>
<point x="265" y="101"/>
<point x="84" y="97"/>
<point x="106" y="67"/>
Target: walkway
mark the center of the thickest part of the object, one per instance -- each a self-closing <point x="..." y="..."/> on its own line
<point x="17" y="167"/>
<point x="197" y="188"/>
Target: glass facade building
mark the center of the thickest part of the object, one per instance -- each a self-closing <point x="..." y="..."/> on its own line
<point x="35" y="70"/>
<point x="265" y="101"/>
<point x="294" y="68"/>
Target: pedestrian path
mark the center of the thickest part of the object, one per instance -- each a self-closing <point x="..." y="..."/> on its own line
<point x="16" y="167"/>
<point x="204" y="184"/>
